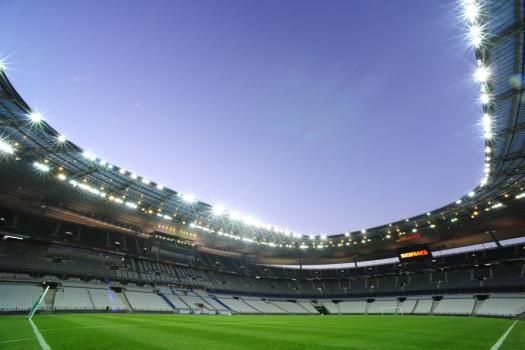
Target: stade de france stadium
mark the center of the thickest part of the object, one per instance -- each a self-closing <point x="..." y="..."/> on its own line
<point x="82" y="235"/>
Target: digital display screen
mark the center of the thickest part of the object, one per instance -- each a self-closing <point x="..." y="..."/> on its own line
<point x="415" y="253"/>
<point x="410" y="237"/>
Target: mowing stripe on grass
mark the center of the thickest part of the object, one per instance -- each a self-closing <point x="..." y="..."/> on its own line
<point x="39" y="337"/>
<point x="90" y="327"/>
<point x="503" y="337"/>
<point x="13" y="341"/>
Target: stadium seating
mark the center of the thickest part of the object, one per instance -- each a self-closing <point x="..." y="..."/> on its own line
<point x="72" y="299"/>
<point x="378" y="306"/>
<point x="291" y="308"/>
<point x="407" y="306"/>
<point x="196" y="303"/>
<point x="91" y="296"/>
<point x="141" y="301"/>
<point x="177" y="303"/>
<point x="214" y="304"/>
<point x="18" y="297"/>
<point x="352" y="307"/>
<point x="332" y="307"/>
<point x="237" y="305"/>
<point x="423" y="306"/>
<point x="263" y="306"/>
<point x="106" y="299"/>
<point x="502" y="306"/>
<point x="455" y="306"/>
<point x="307" y="305"/>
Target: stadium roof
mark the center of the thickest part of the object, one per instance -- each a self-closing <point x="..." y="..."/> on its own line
<point x="45" y="165"/>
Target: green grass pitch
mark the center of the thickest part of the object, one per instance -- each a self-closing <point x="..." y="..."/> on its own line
<point x="193" y="332"/>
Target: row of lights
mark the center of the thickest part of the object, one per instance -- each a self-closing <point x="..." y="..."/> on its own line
<point x="472" y="12"/>
<point x="218" y="210"/>
<point x="44" y="167"/>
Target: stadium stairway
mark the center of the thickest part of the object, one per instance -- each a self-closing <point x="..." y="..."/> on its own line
<point x="415" y="306"/>
<point x="49" y="300"/>
<point x="167" y="301"/>
<point x="280" y="308"/>
<point x="435" y="303"/>
<point x="221" y="303"/>
<point x="477" y="306"/>
<point x="309" y="310"/>
<point x="125" y="300"/>
<point x="91" y="299"/>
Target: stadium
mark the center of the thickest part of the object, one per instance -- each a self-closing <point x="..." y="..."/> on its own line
<point x="93" y="256"/>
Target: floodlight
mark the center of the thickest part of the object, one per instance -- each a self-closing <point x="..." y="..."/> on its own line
<point x="482" y="74"/>
<point x="89" y="155"/>
<point x="6" y="147"/>
<point x="475" y="35"/>
<point x="218" y="209"/>
<point x="42" y="167"/>
<point x="35" y="117"/>
<point x="471" y="10"/>
<point x="484" y="98"/>
<point x="188" y="198"/>
<point x="61" y="138"/>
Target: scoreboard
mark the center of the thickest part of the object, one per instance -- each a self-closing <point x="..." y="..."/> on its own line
<point x="419" y="252"/>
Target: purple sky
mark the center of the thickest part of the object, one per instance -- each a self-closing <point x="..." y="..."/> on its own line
<point x="318" y="116"/>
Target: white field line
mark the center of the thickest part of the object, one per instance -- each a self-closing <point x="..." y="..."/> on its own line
<point x="13" y="341"/>
<point x="39" y="337"/>
<point x="503" y="337"/>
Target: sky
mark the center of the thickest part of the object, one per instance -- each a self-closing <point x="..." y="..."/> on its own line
<point x="316" y="116"/>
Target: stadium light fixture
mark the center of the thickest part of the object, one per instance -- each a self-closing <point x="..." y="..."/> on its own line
<point x="188" y="198"/>
<point x="89" y="155"/>
<point x="6" y="148"/>
<point x="482" y="74"/>
<point x="41" y="166"/>
<point x="235" y="215"/>
<point x="131" y="205"/>
<point x="218" y="210"/>
<point x="36" y="117"/>
<point x="484" y="181"/>
<point x="61" y="138"/>
<point x="484" y="98"/>
<point x="3" y="66"/>
<point x="160" y="187"/>
<point x="475" y="35"/>
<point x="471" y="10"/>
<point x="486" y="121"/>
